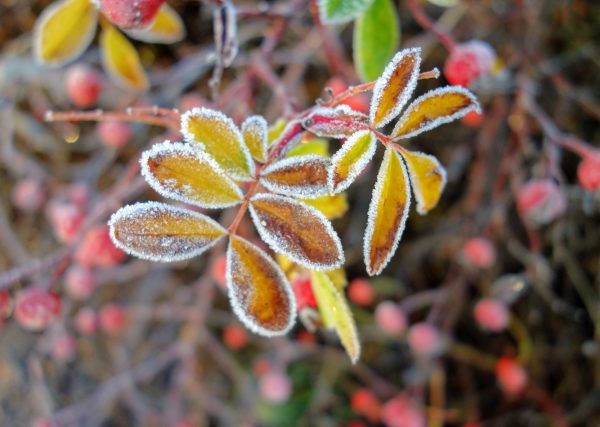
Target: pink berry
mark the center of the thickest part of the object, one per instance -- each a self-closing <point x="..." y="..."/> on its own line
<point x="469" y="61"/>
<point x="36" y="308"/>
<point x="360" y="292"/>
<point x="479" y="252"/>
<point x="98" y="250"/>
<point x="130" y="14"/>
<point x="114" y="134"/>
<point x="365" y="403"/>
<point x="86" y="321"/>
<point x="391" y="318"/>
<point x="83" y="85"/>
<point x="66" y="219"/>
<point x="491" y="315"/>
<point x="402" y="412"/>
<point x="540" y="201"/>
<point x="218" y="269"/>
<point x="511" y="375"/>
<point x="79" y="195"/>
<point x="275" y="387"/>
<point x="43" y="422"/>
<point x="588" y="172"/>
<point x="235" y="337"/>
<point x="6" y="305"/>
<point x="425" y="340"/>
<point x="113" y="319"/>
<point x="28" y="195"/>
<point x="302" y="287"/>
<point x="63" y="347"/>
<point x="80" y="282"/>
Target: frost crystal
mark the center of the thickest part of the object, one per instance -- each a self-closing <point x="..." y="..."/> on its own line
<point x="302" y="177"/>
<point x="254" y="130"/>
<point x="352" y="158"/>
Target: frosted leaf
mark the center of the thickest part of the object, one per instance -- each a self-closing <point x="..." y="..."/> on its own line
<point x="254" y="130"/>
<point x="339" y="122"/>
<point x="296" y="230"/>
<point x="159" y="232"/>
<point x="299" y="176"/>
<point x="316" y="146"/>
<point x="434" y="108"/>
<point x="340" y="11"/>
<point x="167" y="27"/>
<point x="427" y="177"/>
<point x="350" y="160"/>
<point x="121" y="60"/>
<point x="180" y="172"/>
<point x="388" y="212"/>
<point x="395" y="86"/>
<point x="216" y="134"/>
<point x="259" y="292"/>
<point x="333" y="207"/>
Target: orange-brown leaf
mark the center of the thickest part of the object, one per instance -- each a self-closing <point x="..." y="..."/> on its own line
<point x="395" y="86"/>
<point x="427" y="177"/>
<point x="296" y="230"/>
<point x="300" y="176"/>
<point x="121" y="61"/>
<point x="258" y="290"/>
<point x="388" y="212"/>
<point x="434" y="108"/>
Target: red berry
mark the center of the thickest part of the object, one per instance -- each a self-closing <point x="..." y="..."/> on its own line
<point x="275" y="387"/>
<point x="391" y="318"/>
<point x="98" y="250"/>
<point x="113" y="318"/>
<point x="306" y="338"/>
<point x="469" y="61"/>
<point x="63" y="347"/>
<point x="402" y="412"/>
<point x="130" y="14"/>
<point x="5" y="304"/>
<point x="114" y="134"/>
<point x="80" y="282"/>
<point x="358" y="102"/>
<point x="511" y="375"/>
<point x="473" y="119"/>
<point x="540" y="201"/>
<point x="479" y="252"/>
<point x="86" y="321"/>
<point x="235" y="337"/>
<point x="302" y="287"/>
<point x="425" y="340"/>
<point x="261" y="367"/>
<point x="66" y="220"/>
<point x="36" y="308"/>
<point x="588" y="172"/>
<point x="365" y="403"/>
<point x="491" y="314"/>
<point x="83" y="85"/>
<point x="28" y="195"/>
<point x="360" y="292"/>
<point x="218" y="270"/>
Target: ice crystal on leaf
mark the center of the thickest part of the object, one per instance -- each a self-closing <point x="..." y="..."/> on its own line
<point x="255" y="132"/>
<point x="350" y="160"/>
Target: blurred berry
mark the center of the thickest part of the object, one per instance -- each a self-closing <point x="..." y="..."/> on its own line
<point x="80" y="282"/>
<point x="130" y="14"/>
<point x="402" y="412"/>
<point x="365" y="403"/>
<point x="6" y="304"/>
<point x="114" y="134"/>
<point x="275" y="387"/>
<point x="79" y="195"/>
<point x="83" y="85"/>
<point x="360" y="292"/>
<point x="468" y="61"/>
<point x="491" y="315"/>
<point x="113" y="318"/>
<point x="541" y="201"/>
<point x="28" y="195"/>
<point x="425" y="340"/>
<point x="97" y="249"/>
<point x="66" y="219"/>
<point x="261" y="366"/>
<point x="588" y="172"/>
<point x="391" y="318"/>
<point x="86" y="321"/>
<point x="235" y="337"/>
<point x="36" y="308"/>
<point x="511" y="375"/>
<point x="479" y="252"/>
<point x="63" y="347"/>
<point x="218" y="270"/>
<point x="302" y="287"/>
<point x="358" y="102"/>
<point x="473" y="119"/>
<point x="186" y="423"/>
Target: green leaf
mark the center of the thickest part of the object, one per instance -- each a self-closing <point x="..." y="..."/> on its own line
<point x="337" y="11"/>
<point x="376" y="37"/>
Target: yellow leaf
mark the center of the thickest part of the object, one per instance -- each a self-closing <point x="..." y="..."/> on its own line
<point x="276" y="130"/>
<point x="350" y="160"/>
<point x="434" y="108"/>
<point x="64" y="30"/>
<point x="338" y="278"/>
<point x="335" y="313"/>
<point x="160" y="232"/>
<point x="298" y="231"/>
<point x="254" y="130"/>
<point x="216" y="134"/>
<point x="298" y="176"/>
<point x="317" y="146"/>
<point x="395" y="86"/>
<point x="258" y="290"/>
<point x="167" y="27"/>
<point x="333" y="207"/>
<point x="388" y="212"/>
<point x="120" y="59"/>
<point x="427" y="177"/>
<point x="180" y="172"/>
